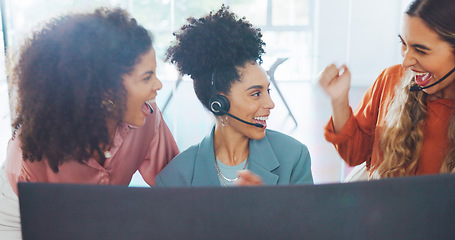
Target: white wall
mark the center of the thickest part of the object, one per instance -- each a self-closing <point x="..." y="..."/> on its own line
<point x="361" y="33"/>
<point x="5" y="119"/>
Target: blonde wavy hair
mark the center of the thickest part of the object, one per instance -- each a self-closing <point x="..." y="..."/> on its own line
<point x="402" y="139"/>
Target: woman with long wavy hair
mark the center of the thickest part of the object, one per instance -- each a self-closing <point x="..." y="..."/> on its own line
<point x="405" y="124"/>
<point x="86" y="112"/>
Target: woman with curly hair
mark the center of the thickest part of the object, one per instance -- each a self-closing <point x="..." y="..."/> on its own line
<point x="405" y="124"/>
<point x="220" y="53"/>
<point x="86" y="112"/>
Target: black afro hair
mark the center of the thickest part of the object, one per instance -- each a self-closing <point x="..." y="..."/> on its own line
<point x="219" y="41"/>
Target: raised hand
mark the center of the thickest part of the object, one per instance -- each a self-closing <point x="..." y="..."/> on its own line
<point x="336" y="83"/>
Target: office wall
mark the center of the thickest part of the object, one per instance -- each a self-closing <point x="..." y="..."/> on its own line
<point x="361" y="33"/>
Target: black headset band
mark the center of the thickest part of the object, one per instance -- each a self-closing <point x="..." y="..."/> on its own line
<point x="212" y="83"/>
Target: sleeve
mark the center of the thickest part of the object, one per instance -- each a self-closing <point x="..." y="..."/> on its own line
<point x="354" y="142"/>
<point x="13" y="165"/>
<point x="301" y="173"/>
<point x="162" y="150"/>
<point x="159" y="182"/>
<point x="179" y="172"/>
<point x="171" y="178"/>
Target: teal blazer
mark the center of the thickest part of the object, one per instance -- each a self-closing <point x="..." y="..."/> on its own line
<point x="277" y="158"/>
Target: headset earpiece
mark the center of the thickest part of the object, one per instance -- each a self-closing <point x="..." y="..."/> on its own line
<point x="219" y="104"/>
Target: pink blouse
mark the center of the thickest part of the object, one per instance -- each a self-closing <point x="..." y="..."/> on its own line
<point x="148" y="148"/>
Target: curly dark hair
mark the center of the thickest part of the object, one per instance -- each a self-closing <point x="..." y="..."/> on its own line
<point x="218" y="42"/>
<point x="64" y="73"/>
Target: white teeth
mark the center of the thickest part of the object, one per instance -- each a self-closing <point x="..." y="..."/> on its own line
<point x="420" y="74"/>
<point x="261" y="118"/>
<point x="150" y="101"/>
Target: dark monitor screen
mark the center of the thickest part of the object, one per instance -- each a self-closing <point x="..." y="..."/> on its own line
<point x="402" y="208"/>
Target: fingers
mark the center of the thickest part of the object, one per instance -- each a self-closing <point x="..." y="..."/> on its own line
<point x="328" y="75"/>
<point x="344" y="71"/>
<point x="248" y="178"/>
<point x="332" y="73"/>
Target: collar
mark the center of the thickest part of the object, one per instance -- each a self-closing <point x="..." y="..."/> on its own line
<point x="261" y="161"/>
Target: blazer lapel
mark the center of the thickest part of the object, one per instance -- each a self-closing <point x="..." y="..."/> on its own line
<point x="204" y="167"/>
<point x="262" y="160"/>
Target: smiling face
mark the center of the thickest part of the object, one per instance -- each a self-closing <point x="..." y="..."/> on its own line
<point x="141" y="86"/>
<point x="250" y="100"/>
<point x="427" y="55"/>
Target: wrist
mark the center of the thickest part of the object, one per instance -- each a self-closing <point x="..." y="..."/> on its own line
<point x="341" y="102"/>
<point x="340" y="113"/>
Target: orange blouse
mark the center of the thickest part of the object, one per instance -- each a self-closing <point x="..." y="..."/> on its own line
<point x="358" y="140"/>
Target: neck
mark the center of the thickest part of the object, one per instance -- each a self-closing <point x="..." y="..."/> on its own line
<point x="111" y="128"/>
<point x="231" y="148"/>
<point x="445" y="93"/>
<point x="450" y="91"/>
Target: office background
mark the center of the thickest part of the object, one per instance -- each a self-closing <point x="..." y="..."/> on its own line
<point x="309" y="34"/>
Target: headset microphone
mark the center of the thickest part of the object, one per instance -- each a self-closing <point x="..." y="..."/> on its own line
<point x="150" y="107"/>
<point x="215" y="106"/>
<point x="415" y="88"/>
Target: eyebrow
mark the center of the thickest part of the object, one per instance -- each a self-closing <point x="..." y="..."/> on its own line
<point x="255" y="87"/>
<point x="415" y="45"/>
<point x="148" y="72"/>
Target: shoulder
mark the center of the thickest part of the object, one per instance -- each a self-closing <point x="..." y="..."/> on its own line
<point x="392" y="75"/>
<point x="180" y="168"/>
<point x="184" y="160"/>
<point x="386" y="82"/>
<point x="395" y="70"/>
<point x="187" y="155"/>
<point x="281" y="138"/>
<point x="281" y="142"/>
<point x="289" y="158"/>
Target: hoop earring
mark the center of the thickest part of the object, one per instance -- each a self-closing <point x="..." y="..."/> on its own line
<point x="109" y="105"/>
<point x="224" y="120"/>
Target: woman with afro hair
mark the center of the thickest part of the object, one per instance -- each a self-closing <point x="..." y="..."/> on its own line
<point x="221" y="53"/>
<point x="86" y="111"/>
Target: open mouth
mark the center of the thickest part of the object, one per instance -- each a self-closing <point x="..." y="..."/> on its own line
<point x="261" y="120"/>
<point x="422" y="79"/>
<point x="147" y="107"/>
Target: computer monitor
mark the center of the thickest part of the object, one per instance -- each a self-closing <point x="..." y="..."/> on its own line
<point x="401" y="208"/>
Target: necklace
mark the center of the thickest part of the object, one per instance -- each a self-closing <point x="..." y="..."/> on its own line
<point x="107" y="154"/>
<point x="221" y="176"/>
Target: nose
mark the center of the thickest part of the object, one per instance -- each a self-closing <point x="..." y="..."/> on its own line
<point x="408" y="58"/>
<point x="268" y="102"/>
<point x="157" y="85"/>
